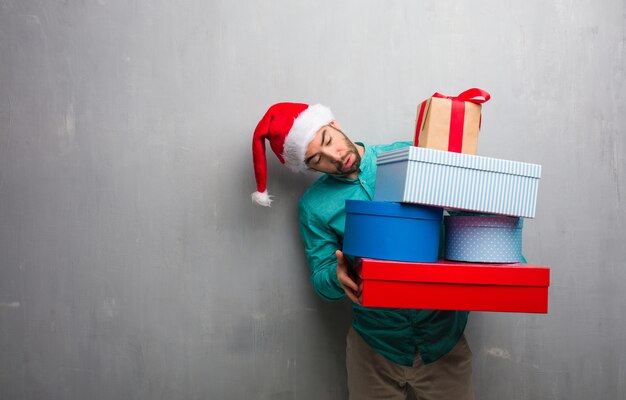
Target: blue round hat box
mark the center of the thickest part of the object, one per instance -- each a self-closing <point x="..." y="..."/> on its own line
<point x="392" y="231"/>
<point x="488" y="238"/>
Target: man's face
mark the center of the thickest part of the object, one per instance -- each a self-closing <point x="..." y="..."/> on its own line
<point x="332" y="152"/>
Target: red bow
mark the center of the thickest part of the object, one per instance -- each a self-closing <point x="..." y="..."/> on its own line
<point x="468" y="95"/>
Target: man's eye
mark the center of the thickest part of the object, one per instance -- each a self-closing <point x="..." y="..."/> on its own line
<point x="329" y="140"/>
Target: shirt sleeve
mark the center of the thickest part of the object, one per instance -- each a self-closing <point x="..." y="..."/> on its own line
<point x="320" y="244"/>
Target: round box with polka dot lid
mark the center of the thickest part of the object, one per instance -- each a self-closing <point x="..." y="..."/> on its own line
<point x="491" y="238"/>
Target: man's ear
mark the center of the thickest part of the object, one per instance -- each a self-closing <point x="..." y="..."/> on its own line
<point x="335" y="124"/>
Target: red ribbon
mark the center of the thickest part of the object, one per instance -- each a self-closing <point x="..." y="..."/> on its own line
<point x="468" y="95"/>
<point x="418" y="126"/>
<point x="457" y="115"/>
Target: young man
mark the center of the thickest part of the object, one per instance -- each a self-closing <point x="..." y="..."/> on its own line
<point x="390" y="352"/>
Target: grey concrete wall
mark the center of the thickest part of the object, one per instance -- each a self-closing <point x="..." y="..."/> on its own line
<point x="132" y="262"/>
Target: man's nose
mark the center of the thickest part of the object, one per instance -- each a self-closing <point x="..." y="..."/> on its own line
<point x="332" y="155"/>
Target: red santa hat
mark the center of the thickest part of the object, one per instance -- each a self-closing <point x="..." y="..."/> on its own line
<point x="289" y="127"/>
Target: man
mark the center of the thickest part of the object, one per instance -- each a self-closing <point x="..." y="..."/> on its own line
<point x="390" y="352"/>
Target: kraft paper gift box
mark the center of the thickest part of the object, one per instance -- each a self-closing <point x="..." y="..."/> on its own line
<point x="457" y="181"/>
<point x="448" y="285"/>
<point x="392" y="231"/>
<point x="450" y="123"/>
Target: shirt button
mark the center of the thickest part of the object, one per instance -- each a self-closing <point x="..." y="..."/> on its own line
<point x="363" y="182"/>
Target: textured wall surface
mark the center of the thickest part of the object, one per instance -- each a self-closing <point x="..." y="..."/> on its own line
<point x="132" y="262"/>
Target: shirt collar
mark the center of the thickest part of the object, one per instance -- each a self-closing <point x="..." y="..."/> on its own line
<point x="366" y="160"/>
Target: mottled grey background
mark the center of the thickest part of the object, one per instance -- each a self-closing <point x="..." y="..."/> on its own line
<point x="132" y="262"/>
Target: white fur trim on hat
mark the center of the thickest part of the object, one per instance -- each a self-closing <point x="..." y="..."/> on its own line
<point x="262" y="198"/>
<point x="302" y="132"/>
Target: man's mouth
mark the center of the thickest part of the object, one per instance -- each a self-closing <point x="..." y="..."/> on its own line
<point x="348" y="162"/>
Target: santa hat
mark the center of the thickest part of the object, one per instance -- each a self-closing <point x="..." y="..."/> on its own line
<point x="289" y="127"/>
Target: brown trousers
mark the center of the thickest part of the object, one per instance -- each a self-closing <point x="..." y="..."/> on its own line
<point x="372" y="376"/>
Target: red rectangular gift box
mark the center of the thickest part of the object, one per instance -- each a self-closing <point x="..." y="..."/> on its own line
<point x="448" y="285"/>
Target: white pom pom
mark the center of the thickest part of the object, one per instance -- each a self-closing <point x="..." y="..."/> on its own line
<point x="262" y="198"/>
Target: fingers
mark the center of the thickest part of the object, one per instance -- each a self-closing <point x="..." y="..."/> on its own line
<point x="342" y="273"/>
<point x="355" y="299"/>
<point x="351" y="289"/>
<point x="345" y="280"/>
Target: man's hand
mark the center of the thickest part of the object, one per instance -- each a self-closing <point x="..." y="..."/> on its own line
<point x="353" y="291"/>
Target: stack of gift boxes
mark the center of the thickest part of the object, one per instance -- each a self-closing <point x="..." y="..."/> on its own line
<point x="395" y="239"/>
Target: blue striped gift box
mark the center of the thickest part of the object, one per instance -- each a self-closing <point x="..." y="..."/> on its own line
<point x="457" y="181"/>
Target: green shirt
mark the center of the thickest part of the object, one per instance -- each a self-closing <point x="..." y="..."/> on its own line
<point x="396" y="334"/>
